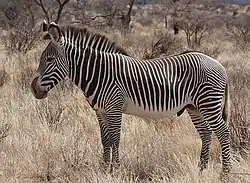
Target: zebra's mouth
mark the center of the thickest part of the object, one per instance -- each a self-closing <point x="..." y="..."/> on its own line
<point x="35" y="90"/>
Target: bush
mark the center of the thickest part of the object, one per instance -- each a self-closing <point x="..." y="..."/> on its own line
<point x="165" y="44"/>
<point x="22" y="71"/>
<point x="20" y="39"/>
<point x="22" y="31"/>
<point x="197" y="22"/>
<point x="238" y="30"/>
<point x="239" y="77"/>
<point x="210" y="50"/>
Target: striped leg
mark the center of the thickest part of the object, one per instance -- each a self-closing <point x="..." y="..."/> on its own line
<point x="205" y="133"/>
<point x="114" y="118"/>
<point x="211" y="111"/>
<point x="105" y="138"/>
<point x="110" y="127"/>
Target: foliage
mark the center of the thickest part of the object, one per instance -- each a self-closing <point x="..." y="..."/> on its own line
<point x="22" y="31"/>
<point x="238" y="30"/>
<point x="240" y="110"/>
<point x="165" y="44"/>
<point x="111" y="12"/>
<point x="195" y="21"/>
<point x="80" y="14"/>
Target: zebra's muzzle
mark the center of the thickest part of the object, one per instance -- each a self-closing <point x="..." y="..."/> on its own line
<point x="36" y="91"/>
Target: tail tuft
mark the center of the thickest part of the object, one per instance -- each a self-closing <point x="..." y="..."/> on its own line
<point x="226" y="108"/>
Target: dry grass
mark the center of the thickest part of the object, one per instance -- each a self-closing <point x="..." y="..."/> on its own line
<point x="57" y="139"/>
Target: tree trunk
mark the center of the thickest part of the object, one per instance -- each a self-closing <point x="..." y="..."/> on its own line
<point x="175" y="26"/>
<point x="125" y="19"/>
<point x="166" y="21"/>
<point x="125" y="22"/>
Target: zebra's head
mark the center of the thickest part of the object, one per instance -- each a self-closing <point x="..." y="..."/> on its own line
<point x="53" y="66"/>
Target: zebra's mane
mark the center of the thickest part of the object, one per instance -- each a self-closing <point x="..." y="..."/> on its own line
<point x="96" y="40"/>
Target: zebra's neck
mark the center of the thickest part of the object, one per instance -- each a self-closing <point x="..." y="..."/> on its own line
<point x="86" y="67"/>
<point x="89" y="58"/>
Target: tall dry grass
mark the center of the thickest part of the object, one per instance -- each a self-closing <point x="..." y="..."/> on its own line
<point x="57" y="139"/>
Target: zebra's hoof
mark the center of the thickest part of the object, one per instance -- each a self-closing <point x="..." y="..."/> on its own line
<point x="202" y="165"/>
<point x="224" y="177"/>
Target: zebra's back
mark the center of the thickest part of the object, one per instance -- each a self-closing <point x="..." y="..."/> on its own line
<point x="162" y="87"/>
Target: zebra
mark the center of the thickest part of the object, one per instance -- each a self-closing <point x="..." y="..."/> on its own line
<point x="114" y="83"/>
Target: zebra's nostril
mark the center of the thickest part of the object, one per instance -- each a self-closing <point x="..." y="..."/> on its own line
<point x="35" y="90"/>
<point x="34" y="85"/>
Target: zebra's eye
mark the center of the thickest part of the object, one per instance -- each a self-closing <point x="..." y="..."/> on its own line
<point x="50" y="59"/>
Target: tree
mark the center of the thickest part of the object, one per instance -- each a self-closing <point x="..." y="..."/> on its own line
<point x="195" y="20"/>
<point x="126" y="17"/>
<point x="175" y="26"/>
<point x="52" y="9"/>
<point x="80" y="14"/>
<point x="165" y="44"/>
<point x="238" y="30"/>
<point x="111" y="12"/>
<point x="106" y="10"/>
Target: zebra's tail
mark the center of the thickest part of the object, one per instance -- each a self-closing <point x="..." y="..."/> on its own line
<point x="226" y="108"/>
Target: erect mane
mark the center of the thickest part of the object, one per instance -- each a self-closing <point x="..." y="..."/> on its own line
<point x="96" y="40"/>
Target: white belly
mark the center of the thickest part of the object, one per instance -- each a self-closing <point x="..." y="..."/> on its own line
<point x="131" y="108"/>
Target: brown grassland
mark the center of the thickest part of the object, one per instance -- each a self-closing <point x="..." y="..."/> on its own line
<point x="58" y="139"/>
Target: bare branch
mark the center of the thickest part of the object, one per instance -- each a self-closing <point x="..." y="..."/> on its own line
<point x="131" y="3"/>
<point x="60" y="9"/>
<point x="46" y="12"/>
<point x="195" y="21"/>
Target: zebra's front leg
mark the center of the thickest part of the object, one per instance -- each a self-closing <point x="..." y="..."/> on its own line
<point x="114" y="118"/>
<point x="104" y="129"/>
<point x="110" y="127"/>
<point x="105" y="138"/>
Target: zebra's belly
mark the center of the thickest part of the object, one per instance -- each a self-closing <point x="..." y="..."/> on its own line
<point x="133" y="109"/>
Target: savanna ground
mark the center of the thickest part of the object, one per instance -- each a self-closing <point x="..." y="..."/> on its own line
<point x="58" y="139"/>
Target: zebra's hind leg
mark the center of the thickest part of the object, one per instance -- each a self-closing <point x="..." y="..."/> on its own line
<point x="205" y="133"/>
<point x="213" y="115"/>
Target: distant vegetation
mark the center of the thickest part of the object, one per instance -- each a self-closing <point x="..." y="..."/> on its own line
<point x="226" y="1"/>
<point x="239" y="1"/>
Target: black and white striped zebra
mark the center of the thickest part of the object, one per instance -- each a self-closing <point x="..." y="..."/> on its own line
<point x="115" y="83"/>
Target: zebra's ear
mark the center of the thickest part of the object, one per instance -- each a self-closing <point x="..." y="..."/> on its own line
<point x="46" y="35"/>
<point x="44" y="26"/>
<point x="54" y="31"/>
